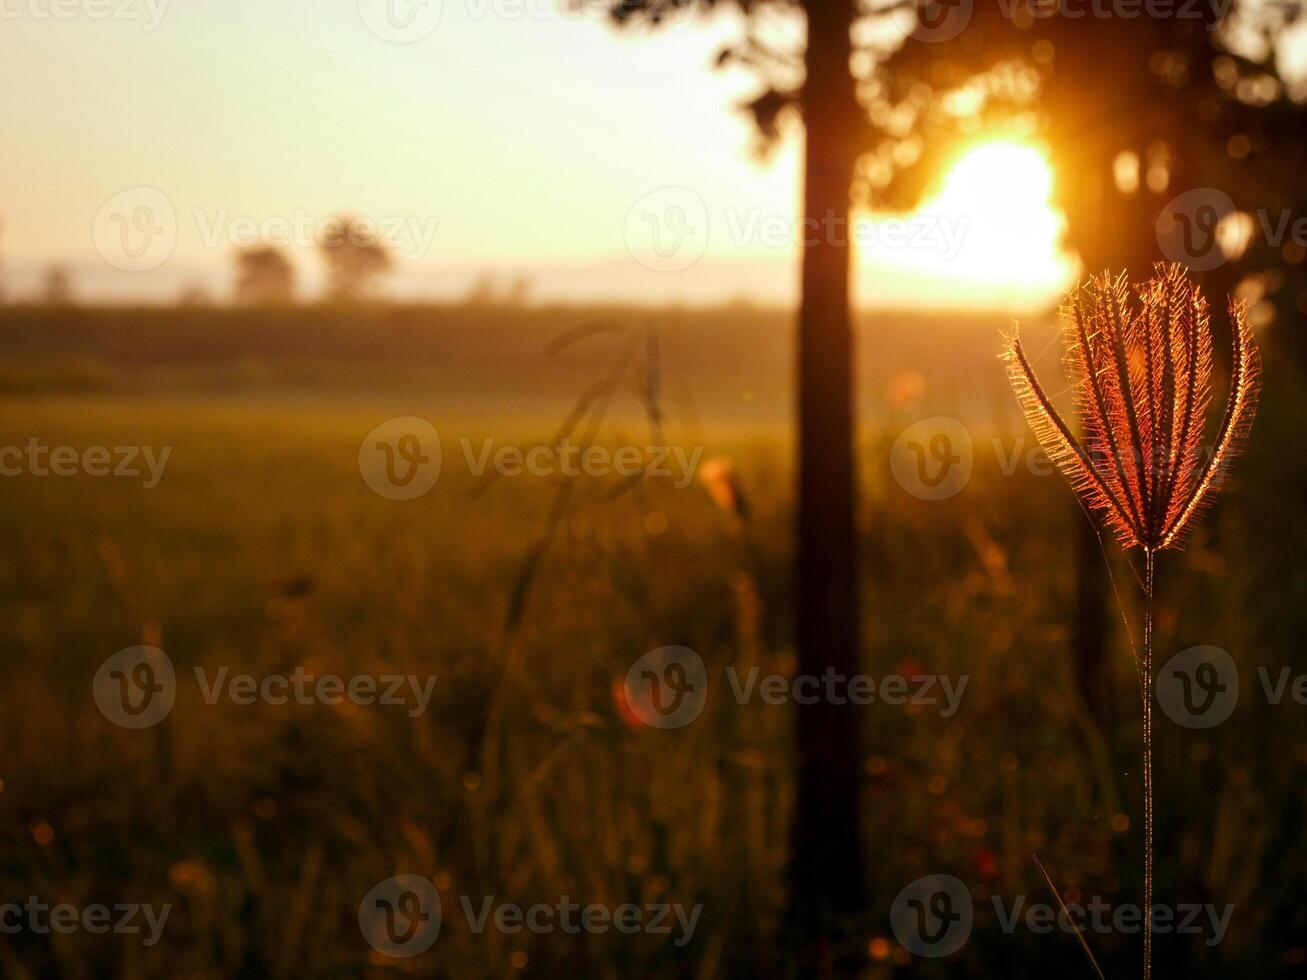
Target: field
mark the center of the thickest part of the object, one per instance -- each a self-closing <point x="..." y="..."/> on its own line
<point x="261" y="549"/>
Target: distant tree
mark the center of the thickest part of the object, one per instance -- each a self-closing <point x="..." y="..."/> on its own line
<point x="264" y="277"/>
<point x="355" y="259"/>
<point x="194" y="296"/>
<point x="57" y="287"/>
<point x="518" y="291"/>
<point x="484" y="290"/>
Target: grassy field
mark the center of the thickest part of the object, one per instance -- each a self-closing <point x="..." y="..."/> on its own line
<point x="262" y="549"/>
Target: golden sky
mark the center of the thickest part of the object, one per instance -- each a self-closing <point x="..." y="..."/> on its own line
<point x="501" y="136"/>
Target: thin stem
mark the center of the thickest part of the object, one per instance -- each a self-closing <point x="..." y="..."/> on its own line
<point x="1148" y="762"/>
<point x="1080" y="933"/>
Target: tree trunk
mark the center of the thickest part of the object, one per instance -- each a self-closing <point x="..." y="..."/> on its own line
<point x="827" y="869"/>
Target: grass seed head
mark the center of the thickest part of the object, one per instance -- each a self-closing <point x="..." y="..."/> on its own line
<point x="1141" y="369"/>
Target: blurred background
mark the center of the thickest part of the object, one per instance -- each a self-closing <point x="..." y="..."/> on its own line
<point x="238" y="241"/>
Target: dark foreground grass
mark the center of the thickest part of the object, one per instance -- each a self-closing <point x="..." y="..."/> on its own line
<point x="262" y="549"/>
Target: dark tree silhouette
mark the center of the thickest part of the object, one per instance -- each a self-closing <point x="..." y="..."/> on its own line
<point x="264" y="277"/>
<point x="815" y="84"/>
<point x="1134" y="109"/>
<point x="355" y="259"/>
<point x="827" y="876"/>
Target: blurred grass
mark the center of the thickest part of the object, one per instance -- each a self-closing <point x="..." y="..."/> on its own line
<point x="262" y="549"/>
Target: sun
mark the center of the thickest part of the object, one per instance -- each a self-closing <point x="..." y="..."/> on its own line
<point x="991" y="234"/>
<point x="1013" y="232"/>
<point x="998" y="176"/>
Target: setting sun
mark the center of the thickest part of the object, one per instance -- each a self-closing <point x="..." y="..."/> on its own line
<point x="999" y="234"/>
<point x="1000" y="175"/>
<point x="1003" y="189"/>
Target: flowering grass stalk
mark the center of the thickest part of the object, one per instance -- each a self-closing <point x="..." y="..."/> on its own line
<point x="1141" y="368"/>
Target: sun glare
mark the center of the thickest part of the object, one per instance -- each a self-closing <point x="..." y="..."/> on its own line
<point x="999" y="176"/>
<point x="1012" y="231"/>
<point x="991" y="229"/>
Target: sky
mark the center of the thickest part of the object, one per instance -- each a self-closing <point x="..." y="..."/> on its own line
<point x="497" y="138"/>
